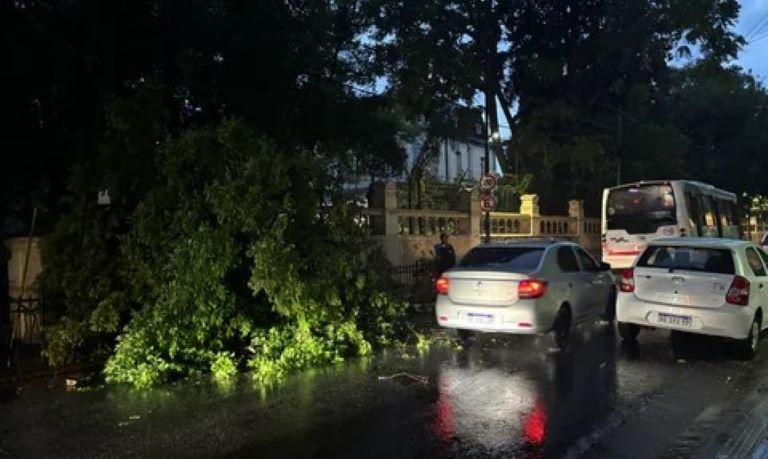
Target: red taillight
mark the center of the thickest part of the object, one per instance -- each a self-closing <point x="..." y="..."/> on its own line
<point x="441" y="286"/>
<point x="627" y="280"/>
<point x="738" y="292"/>
<point x="531" y="288"/>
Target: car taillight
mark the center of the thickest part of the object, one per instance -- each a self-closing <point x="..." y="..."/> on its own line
<point x="627" y="280"/>
<point x="441" y="286"/>
<point x="738" y="292"/>
<point x="531" y="288"/>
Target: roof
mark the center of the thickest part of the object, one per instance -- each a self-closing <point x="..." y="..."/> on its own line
<point x="533" y="243"/>
<point x="700" y="242"/>
<point x="704" y="186"/>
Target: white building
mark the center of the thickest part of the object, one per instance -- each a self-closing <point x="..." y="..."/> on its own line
<point x="456" y="159"/>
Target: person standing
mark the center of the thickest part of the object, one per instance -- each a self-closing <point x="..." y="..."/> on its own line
<point x="445" y="256"/>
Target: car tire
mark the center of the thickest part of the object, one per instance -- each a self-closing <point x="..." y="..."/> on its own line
<point x="747" y="348"/>
<point x="628" y="331"/>
<point x="464" y="336"/>
<point x="561" y="329"/>
<point x="609" y="314"/>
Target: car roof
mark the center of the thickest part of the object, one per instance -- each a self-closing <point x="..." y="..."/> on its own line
<point x="701" y="242"/>
<point x="536" y="243"/>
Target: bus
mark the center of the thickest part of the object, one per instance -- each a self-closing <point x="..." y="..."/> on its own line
<point x="637" y="213"/>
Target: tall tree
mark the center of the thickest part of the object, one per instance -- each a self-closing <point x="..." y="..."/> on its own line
<point x="723" y="114"/>
<point x="563" y="73"/>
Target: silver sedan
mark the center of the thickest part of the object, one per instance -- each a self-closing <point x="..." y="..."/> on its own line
<point x="525" y="288"/>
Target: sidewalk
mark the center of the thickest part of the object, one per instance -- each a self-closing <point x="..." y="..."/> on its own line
<point x="28" y="364"/>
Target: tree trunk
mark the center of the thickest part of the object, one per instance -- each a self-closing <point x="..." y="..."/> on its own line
<point x="508" y="163"/>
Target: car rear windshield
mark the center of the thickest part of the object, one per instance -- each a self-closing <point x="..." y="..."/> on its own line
<point x="523" y="259"/>
<point x="719" y="261"/>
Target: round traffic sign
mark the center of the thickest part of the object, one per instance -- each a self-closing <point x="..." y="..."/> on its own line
<point x="487" y="182"/>
<point x="487" y="202"/>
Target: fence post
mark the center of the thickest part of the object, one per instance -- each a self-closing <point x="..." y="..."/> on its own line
<point x="475" y="218"/>
<point x="391" y="244"/>
<point x="529" y="205"/>
<point x="576" y="212"/>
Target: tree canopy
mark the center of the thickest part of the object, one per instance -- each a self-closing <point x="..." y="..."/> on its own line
<point x="570" y="77"/>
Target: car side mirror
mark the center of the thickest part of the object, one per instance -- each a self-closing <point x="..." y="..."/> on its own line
<point x="605" y="267"/>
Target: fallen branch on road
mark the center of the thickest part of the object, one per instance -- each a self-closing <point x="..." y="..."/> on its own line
<point x="417" y="378"/>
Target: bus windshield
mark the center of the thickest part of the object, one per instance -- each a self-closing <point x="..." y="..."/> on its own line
<point x="640" y="209"/>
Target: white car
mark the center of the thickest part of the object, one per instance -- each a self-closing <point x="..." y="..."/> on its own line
<point x="713" y="287"/>
<point x="526" y="288"/>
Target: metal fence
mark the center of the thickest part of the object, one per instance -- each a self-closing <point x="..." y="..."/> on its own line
<point x="413" y="282"/>
<point x="27" y="317"/>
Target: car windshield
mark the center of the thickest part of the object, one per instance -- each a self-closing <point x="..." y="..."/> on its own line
<point x="709" y="260"/>
<point x="523" y="259"/>
<point x="640" y="209"/>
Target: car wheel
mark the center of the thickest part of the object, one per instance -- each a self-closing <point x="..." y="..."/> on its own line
<point x="628" y="332"/>
<point x="561" y="330"/>
<point x="610" y="307"/>
<point x="464" y="336"/>
<point x="747" y="347"/>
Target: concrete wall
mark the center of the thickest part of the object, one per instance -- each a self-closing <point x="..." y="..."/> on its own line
<point x="18" y="249"/>
<point x="408" y="235"/>
<point x="27" y="322"/>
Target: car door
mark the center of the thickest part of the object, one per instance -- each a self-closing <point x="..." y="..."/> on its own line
<point x="577" y="289"/>
<point x="757" y="264"/>
<point x="598" y="282"/>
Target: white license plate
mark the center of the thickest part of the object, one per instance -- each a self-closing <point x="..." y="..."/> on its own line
<point x="479" y="318"/>
<point x="675" y="320"/>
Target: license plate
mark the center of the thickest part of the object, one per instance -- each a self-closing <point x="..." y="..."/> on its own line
<point x="677" y="321"/>
<point x="480" y="318"/>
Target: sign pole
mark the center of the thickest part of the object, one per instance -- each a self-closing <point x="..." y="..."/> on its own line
<point x="486" y="173"/>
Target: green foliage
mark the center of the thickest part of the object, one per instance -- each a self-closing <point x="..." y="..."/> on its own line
<point x="64" y="339"/>
<point x="240" y="252"/>
<point x="224" y="366"/>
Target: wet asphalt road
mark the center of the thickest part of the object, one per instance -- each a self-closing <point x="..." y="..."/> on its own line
<point x="502" y="396"/>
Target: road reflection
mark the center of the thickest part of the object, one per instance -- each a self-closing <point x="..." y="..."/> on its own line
<point x="517" y="397"/>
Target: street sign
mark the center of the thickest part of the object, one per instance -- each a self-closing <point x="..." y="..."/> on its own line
<point x="487" y="182"/>
<point x="487" y="202"/>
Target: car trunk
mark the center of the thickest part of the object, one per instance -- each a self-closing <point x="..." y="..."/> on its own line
<point x="486" y="288"/>
<point x="684" y="275"/>
<point x="683" y="288"/>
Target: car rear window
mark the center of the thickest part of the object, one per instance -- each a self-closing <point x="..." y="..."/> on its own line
<point x="524" y="259"/>
<point x="719" y="261"/>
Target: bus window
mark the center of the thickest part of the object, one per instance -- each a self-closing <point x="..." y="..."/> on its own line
<point x="728" y="223"/>
<point x="709" y="227"/>
<point x="641" y="209"/>
<point x="694" y="213"/>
